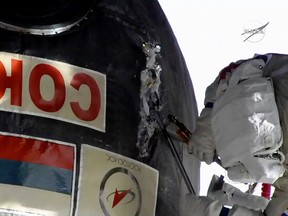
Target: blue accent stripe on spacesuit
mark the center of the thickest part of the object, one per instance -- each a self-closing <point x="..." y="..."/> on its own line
<point x="263" y="57"/>
<point x="224" y="211"/>
<point x="209" y="105"/>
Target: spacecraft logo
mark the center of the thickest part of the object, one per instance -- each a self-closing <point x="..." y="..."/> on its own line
<point x="254" y="31"/>
<point x="120" y="193"/>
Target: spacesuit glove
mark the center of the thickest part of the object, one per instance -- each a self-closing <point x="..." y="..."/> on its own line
<point x="230" y="195"/>
<point x="200" y="206"/>
<point x="201" y="143"/>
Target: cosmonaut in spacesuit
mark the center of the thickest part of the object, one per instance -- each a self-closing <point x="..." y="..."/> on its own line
<point x="240" y="124"/>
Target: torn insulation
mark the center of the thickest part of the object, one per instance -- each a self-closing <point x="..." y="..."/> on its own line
<point x="149" y="98"/>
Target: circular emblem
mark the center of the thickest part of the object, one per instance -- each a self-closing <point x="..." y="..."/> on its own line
<point x="120" y="193"/>
<point x="254" y="31"/>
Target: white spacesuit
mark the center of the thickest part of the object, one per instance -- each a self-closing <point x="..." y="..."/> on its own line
<point x="240" y="123"/>
<point x="225" y="200"/>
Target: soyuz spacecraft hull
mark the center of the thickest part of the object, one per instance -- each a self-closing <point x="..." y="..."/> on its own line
<point x="79" y="81"/>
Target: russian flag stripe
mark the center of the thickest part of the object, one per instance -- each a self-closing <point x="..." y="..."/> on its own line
<point x="36" y="176"/>
<point x="37" y="151"/>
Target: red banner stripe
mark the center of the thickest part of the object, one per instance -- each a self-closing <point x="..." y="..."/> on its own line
<point x="36" y="151"/>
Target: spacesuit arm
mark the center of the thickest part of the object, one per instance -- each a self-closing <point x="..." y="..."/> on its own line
<point x="210" y="93"/>
<point x="201" y="143"/>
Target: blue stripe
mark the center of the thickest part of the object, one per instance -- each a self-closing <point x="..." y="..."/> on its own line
<point x="36" y="176"/>
<point x="224" y="211"/>
<point x="209" y="105"/>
